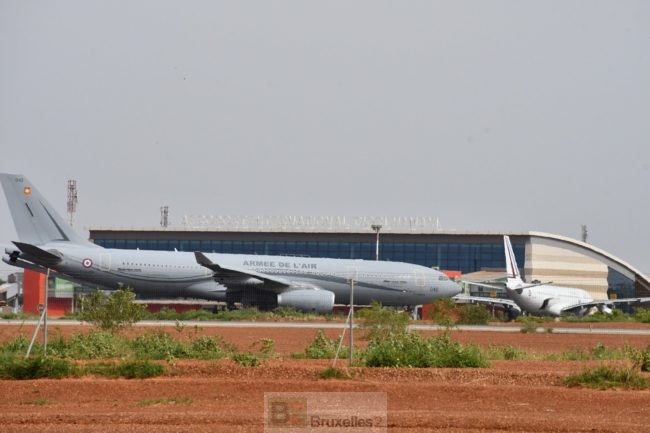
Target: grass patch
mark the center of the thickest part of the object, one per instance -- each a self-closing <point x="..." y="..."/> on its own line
<point x="411" y="350"/>
<point x="126" y="369"/>
<point x="36" y="368"/>
<point x="166" y="401"/>
<point x="37" y="402"/>
<point x="139" y="369"/>
<point x="334" y="373"/>
<point x="246" y="359"/>
<point x="95" y="345"/>
<point x="158" y="345"/>
<point x="605" y="377"/>
<point x="507" y="353"/>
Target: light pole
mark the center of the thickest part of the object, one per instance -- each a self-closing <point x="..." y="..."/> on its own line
<point x="376" y="228"/>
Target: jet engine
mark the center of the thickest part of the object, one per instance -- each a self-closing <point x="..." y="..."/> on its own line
<point x="310" y="300"/>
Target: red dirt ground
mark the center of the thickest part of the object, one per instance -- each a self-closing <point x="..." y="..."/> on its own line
<point x="195" y="396"/>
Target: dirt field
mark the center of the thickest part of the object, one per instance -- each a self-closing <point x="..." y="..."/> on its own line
<point x="510" y="396"/>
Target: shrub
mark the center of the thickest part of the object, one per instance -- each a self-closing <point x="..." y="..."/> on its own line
<point x="379" y="322"/>
<point x="605" y="377"/>
<point x="95" y="345"/>
<point x="36" y="368"/>
<point x="473" y="314"/>
<point x="642" y="315"/>
<point x="246" y="359"/>
<point x="443" y="312"/>
<point x="17" y="345"/>
<point x="266" y="347"/>
<point x="323" y="347"/>
<point x="411" y="350"/>
<point x="158" y="345"/>
<point x="111" y="312"/>
<point x="206" y="347"/>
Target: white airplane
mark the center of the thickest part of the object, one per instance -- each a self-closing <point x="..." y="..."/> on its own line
<point x="309" y="284"/>
<point x="544" y="298"/>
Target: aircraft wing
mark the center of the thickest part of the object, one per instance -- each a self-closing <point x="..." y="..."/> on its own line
<point x="487" y="286"/>
<point x="230" y="275"/>
<point x="508" y="303"/>
<point x="607" y="302"/>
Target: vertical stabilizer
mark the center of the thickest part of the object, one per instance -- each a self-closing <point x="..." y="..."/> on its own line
<point x="512" y="270"/>
<point x="35" y="219"/>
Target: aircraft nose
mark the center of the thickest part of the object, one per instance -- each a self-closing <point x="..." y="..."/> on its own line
<point x="454" y="288"/>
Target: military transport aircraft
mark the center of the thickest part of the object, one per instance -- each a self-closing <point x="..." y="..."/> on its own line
<point x="309" y="284"/>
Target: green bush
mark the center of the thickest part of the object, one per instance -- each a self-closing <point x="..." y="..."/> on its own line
<point x="158" y="345"/>
<point x="411" y="350"/>
<point x="473" y="314"/>
<point x="642" y="315"/>
<point x="111" y="312"/>
<point x="379" y="322"/>
<point x="443" y="312"/>
<point x="36" y="368"/>
<point x="323" y="348"/>
<point x="17" y="345"/>
<point x="246" y="359"/>
<point x="206" y="347"/>
<point x="605" y="377"/>
<point x="95" y="345"/>
<point x="266" y="347"/>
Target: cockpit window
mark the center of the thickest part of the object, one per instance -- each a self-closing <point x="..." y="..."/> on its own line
<point x="443" y="278"/>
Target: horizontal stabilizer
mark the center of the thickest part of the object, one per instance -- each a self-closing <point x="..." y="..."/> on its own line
<point x="38" y="255"/>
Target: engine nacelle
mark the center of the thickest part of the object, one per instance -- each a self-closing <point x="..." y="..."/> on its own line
<point x="309" y="300"/>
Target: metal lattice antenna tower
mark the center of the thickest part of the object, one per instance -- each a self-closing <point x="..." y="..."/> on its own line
<point x="72" y="201"/>
<point x="164" y="216"/>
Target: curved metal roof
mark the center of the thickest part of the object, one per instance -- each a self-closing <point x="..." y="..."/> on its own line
<point x="594" y="249"/>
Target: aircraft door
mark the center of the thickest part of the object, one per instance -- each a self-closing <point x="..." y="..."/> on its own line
<point x="105" y="262"/>
<point x="420" y="278"/>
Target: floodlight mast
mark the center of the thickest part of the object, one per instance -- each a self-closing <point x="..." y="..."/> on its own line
<point x="376" y="228"/>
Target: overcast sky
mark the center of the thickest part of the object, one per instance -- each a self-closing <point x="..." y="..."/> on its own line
<point x="490" y="115"/>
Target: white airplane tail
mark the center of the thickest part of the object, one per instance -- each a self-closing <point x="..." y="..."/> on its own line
<point x="512" y="271"/>
<point x="36" y="221"/>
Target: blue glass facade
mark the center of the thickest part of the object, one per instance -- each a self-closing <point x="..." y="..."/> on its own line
<point x="462" y="256"/>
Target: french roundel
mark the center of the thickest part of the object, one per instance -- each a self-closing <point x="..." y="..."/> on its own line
<point x="86" y="263"/>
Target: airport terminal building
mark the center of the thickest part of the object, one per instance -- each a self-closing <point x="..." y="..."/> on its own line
<point x="545" y="257"/>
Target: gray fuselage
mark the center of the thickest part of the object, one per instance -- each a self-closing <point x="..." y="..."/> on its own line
<point x="177" y="274"/>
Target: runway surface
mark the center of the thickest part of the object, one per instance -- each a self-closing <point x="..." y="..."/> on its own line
<point x="582" y="328"/>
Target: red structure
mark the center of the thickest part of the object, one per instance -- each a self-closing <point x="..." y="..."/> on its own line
<point x="34" y="294"/>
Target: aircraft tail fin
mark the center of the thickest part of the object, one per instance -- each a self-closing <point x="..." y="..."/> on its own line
<point x="512" y="271"/>
<point x="35" y="219"/>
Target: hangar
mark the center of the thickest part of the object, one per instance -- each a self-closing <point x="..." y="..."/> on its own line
<point x="546" y="257"/>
